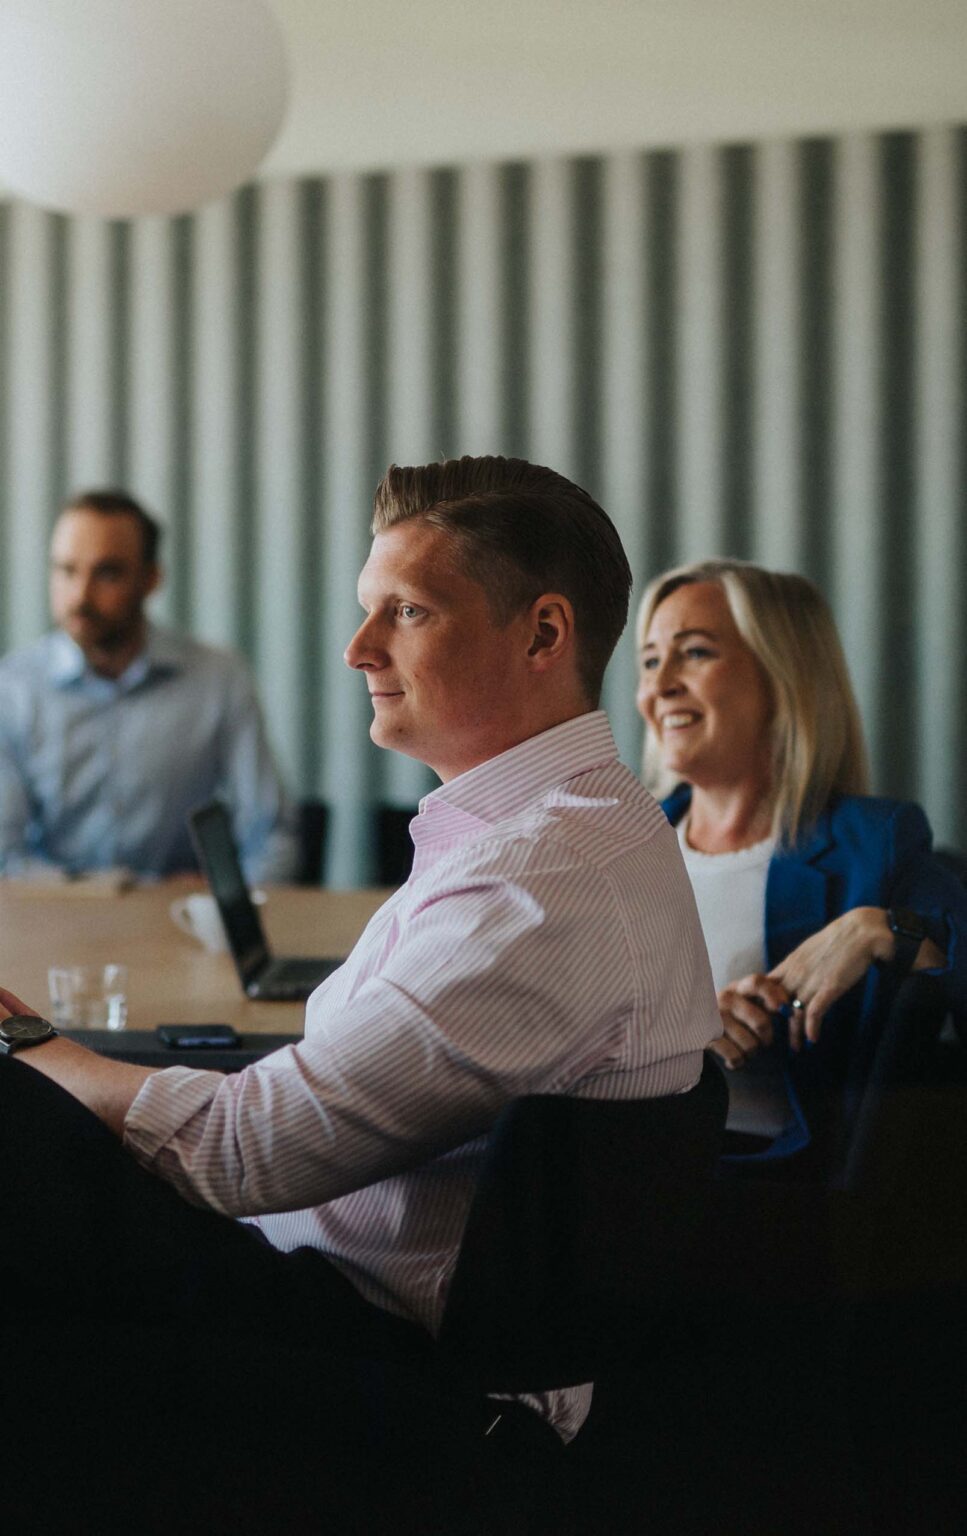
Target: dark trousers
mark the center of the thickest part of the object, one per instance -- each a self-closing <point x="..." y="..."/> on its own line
<point x="164" y="1369"/>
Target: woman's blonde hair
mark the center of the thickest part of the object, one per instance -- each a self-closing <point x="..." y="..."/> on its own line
<point x="817" y="738"/>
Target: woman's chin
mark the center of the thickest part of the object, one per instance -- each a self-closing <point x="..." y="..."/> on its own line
<point x="678" y="763"/>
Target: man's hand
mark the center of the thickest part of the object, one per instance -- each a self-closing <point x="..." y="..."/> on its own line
<point x="746" y="1008"/>
<point x="107" y="1088"/>
<point x="10" y="1004"/>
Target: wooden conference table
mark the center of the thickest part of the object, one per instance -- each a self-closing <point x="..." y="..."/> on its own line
<point x="171" y="978"/>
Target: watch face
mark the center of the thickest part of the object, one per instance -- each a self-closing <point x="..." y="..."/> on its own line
<point x="20" y="1028"/>
<point x="910" y="924"/>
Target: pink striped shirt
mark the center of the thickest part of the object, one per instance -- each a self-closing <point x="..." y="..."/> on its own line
<point x="547" y="941"/>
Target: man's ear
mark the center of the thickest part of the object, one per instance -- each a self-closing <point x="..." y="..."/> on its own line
<point x="552" y="630"/>
<point x="153" y="578"/>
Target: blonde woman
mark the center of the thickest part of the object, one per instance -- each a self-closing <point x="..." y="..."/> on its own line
<point x="815" y="898"/>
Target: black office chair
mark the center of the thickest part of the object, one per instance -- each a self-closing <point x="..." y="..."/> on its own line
<point x="313" y="827"/>
<point x="914" y="1095"/>
<point x="906" y="1163"/>
<point x="583" y="1213"/>
<point x="833" y="1388"/>
<point x="954" y="860"/>
<point x="756" y="1356"/>
<point x="568" y="1267"/>
<point x="599" y="1247"/>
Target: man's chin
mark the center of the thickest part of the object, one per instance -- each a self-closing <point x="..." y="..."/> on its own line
<point x="383" y="735"/>
<point x="103" y="632"/>
<point x="94" y="640"/>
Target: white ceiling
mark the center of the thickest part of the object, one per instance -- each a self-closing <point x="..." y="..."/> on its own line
<point x="415" y="82"/>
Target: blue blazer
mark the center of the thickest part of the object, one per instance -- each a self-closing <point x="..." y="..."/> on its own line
<point x="862" y="852"/>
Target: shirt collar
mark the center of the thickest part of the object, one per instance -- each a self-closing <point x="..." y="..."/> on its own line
<point x="163" y="652"/>
<point x="504" y="785"/>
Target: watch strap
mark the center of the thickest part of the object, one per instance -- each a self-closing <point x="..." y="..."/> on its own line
<point x="909" y="931"/>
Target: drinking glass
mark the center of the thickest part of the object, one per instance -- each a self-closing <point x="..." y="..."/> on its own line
<point x="88" y="996"/>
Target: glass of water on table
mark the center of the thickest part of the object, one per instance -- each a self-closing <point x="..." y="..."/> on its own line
<point x="88" y="996"/>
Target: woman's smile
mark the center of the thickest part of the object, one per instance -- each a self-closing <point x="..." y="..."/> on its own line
<point x="679" y="721"/>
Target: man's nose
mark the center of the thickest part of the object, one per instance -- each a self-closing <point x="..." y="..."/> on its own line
<point x="81" y="587"/>
<point x="362" y="650"/>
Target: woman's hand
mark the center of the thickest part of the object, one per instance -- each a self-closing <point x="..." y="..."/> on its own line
<point x="826" y="965"/>
<point x="814" y="975"/>
<point x="746" y="1008"/>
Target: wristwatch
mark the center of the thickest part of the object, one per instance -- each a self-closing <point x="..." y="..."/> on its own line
<point x="21" y="1031"/>
<point x="909" y="931"/>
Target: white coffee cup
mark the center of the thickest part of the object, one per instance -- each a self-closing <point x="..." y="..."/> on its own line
<point x="198" y="915"/>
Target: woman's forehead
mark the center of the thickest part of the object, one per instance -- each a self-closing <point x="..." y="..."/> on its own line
<point x="694" y="605"/>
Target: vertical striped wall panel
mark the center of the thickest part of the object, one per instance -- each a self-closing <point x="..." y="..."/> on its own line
<point x="751" y="350"/>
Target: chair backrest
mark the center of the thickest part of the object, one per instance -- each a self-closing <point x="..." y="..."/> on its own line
<point x="891" y="1219"/>
<point x="313" y="828"/>
<point x="912" y="1082"/>
<point x="583" y="1212"/>
<point x="954" y="860"/>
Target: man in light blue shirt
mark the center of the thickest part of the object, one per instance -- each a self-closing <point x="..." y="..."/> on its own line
<point x="112" y="730"/>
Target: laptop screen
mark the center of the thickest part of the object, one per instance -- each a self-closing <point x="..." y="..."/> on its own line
<point x="211" y="832"/>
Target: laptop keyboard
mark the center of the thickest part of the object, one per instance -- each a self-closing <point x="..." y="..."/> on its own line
<point x="296" y="970"/>
<point x="291" y="980"/>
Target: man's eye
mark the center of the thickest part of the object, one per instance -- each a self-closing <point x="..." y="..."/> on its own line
<point x="409" y="611"/>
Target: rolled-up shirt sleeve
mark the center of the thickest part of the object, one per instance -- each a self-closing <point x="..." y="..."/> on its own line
<point x="417" y="1062"/>
<point x="487" y="995"/>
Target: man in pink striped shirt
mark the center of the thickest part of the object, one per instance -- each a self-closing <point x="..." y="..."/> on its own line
<point x="547" y="941"/>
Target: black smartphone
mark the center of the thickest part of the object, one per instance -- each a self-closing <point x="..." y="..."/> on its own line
<point x="197" y="1037"/>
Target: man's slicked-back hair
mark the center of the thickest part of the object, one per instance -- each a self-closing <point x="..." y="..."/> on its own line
<point x="116" y="503"/>
<point x="520" y="530"/>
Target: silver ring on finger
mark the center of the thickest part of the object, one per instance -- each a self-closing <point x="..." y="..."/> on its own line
<point x="797" y="1005"/>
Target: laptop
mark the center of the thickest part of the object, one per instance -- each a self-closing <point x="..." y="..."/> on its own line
<point x="272" y="978"/>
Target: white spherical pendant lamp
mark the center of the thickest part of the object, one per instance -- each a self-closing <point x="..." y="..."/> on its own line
<point x="125" y="107"/>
